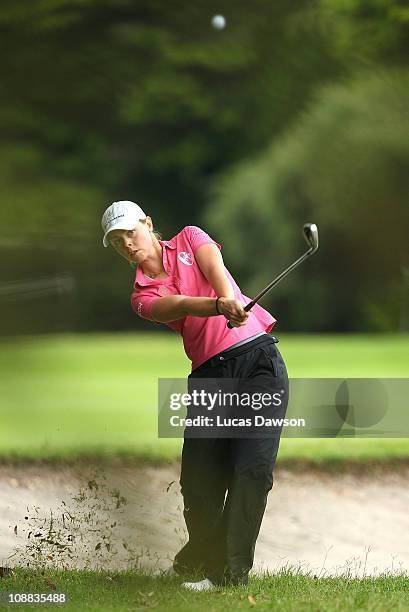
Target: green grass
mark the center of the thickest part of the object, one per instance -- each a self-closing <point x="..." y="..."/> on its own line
<point x="287" y="590"/>
<point x="96" y="395"/>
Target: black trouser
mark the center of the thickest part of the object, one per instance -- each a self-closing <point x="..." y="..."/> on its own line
<point x="223" y="530"/>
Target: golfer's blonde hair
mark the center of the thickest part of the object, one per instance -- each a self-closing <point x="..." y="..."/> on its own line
<point x="157" y="235"/>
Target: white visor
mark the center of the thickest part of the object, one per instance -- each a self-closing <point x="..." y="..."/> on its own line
<point x="120" y="215"/>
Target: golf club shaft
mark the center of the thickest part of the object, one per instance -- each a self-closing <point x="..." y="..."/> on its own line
<point x="277" y="280"/>
<point x="250" y="305"/>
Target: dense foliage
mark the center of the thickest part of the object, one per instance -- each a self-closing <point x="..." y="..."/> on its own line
<point x="144" y="100"/>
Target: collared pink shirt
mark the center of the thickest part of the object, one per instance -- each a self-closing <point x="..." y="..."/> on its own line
<point x="203" y="337"/>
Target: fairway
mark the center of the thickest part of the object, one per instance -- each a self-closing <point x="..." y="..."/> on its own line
<point x="178" y="178"/>
<point x="288" y="591"/>
<point x="96" y="395"/>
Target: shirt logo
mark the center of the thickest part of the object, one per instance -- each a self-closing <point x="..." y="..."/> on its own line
<point x="185" y="258"/>
<point x="140" y="309"/>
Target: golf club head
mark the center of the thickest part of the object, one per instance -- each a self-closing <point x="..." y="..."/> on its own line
<point x="311" y="235"/>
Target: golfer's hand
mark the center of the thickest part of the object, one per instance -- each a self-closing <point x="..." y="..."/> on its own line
<point x="234" y="311"/>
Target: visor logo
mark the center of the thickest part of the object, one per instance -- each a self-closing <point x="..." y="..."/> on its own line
<point x="112" y="219"/>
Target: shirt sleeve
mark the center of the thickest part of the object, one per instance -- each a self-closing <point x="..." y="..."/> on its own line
<point x="142" y="305"/>
<point x="196" y="237"/>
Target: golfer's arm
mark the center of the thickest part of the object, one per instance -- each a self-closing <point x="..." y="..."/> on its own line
<point x="210" y="261"/>
<point x="174" y="307"/>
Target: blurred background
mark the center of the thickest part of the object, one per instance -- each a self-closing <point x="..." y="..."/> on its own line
<point x="294" y="112"/>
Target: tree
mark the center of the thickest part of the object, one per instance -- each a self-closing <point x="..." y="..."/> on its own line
<point x="141" y="100"/>
<point x="345" y="166"/>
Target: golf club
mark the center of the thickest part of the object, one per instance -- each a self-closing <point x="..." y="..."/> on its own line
<point x="310" y="231"/>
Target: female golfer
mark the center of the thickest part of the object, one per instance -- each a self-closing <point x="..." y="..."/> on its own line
<point x="183" y="283"/>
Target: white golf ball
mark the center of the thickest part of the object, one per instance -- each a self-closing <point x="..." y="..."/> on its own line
<point x="218" y="22"/>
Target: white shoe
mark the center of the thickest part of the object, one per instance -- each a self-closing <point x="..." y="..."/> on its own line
<point x="203" y="585"/>
<point x="164" y="573"/>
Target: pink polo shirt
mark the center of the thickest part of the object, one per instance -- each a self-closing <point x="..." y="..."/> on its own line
<point x="203" y="337"/>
